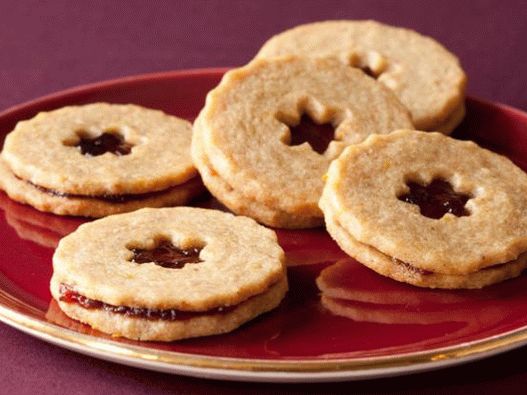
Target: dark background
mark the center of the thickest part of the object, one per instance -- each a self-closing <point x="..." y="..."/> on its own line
<point x="46" y="46"/>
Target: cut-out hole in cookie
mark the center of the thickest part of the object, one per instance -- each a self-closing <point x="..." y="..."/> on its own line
<point x="167" y="255"/>
<point x="373" y="64"/>
<point x="436" y="199"/>
<point x="318" y="136"/>
<point x="109" y="141"/>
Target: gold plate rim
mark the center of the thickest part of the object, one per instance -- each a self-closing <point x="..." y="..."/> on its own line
<point x="140" y="355"/>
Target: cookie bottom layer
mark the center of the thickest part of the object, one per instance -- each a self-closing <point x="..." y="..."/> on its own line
<point x="164" y="330"/>
<point x="400" y="271"/>
<point x="242" y="205"/>
<point x="26" y="193"/>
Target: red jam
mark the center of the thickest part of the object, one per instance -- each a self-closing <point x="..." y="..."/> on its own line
<point x="69" y="295"/>
<point x="114" y="198"/>
<point x="436" y="199"/>
<point x="109" y="198"/>
<point x="167" y="255"/>
<point x="106" y="142"/>
<point x="411" y="268"/>
<point x="317" y="136"/>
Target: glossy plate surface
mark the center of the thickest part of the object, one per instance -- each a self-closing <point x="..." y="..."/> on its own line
<point x="367" y="326"/>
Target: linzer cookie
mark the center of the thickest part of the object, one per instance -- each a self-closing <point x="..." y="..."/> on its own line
<point x="425" y="76"/>
<point x="429" y="210"/>
<point x="168" y="274"/>
<point x="268" y="132"/>
<point x="99" y="159"/>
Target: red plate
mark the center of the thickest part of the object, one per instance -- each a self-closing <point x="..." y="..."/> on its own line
<point x="371" y="326"/>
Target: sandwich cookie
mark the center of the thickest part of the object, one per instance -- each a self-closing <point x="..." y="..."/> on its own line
<point x="99" y="159"/>
<point x="168" y="274"/>
<point x="429" y="210"/>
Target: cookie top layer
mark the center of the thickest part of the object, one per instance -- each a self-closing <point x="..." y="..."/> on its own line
<point x="425" y="76"/>
<point x="154" y="153"/>
<point x="367" y="185"/>
<point x="239" y="259"/>
<point x="244" y="126"/>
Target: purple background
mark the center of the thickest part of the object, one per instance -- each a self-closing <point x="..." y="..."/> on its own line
<point x="48" y="46"/>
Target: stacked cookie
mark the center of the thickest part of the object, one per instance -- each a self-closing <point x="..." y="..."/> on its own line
<point x="268" y="132"/>
<point x="245" y="146"/>
<point x="425" y="76"/>
<point x="429" y="210"/>
<point x="99" y="159"/>
<point x="168" y="274"/>
<point x="403" y="206"/>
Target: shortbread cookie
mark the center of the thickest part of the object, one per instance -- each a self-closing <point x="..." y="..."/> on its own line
<point x="246" y="153"/>
<point x="99" y="159"/>
<point x="429" y="210"/>
<point x="168" y="274"/>
<point x="425" y="76"/>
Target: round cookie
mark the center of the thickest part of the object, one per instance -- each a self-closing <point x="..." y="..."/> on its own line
<point x="425" y="76"/>
<point x="377" y="203"/>
<point x="244" y="148"/>
<point x="99" y="159"/>
<point x="167" y="274"/>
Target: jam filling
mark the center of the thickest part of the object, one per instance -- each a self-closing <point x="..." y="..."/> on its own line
<point x="69" y="295"/>
<point x="307" y="131"/>
<point x="436" y="199"/>
<point x="167" y="255"/>
<point x="113" y="143"/>
<point x="411" y="268"/>
<point x="109" y="198"/>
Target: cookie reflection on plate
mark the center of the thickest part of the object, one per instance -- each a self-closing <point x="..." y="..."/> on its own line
<point x="355" y="292"/>
<point x="307" y="247"/>
<point x="33" y="225"/>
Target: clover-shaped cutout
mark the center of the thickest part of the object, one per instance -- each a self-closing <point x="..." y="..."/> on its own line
<point x="109" y="141"/>
<point x="310" y="122"/>
<point x="436" y="199"/>
<point x="166" y="254"/>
